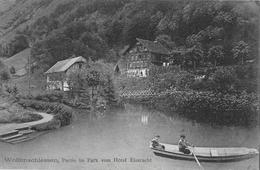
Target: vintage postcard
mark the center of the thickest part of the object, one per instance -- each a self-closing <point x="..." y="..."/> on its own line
<point x="129" y="84"/>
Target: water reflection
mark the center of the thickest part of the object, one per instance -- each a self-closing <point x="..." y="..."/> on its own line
<point x="144" y="119"/>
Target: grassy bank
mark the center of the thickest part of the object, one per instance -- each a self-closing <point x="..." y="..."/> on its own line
<point x="63" y="115"/>
<point x="207" y="107"/>
<point x="22" y="117"/>
<point x="11" y="112"/>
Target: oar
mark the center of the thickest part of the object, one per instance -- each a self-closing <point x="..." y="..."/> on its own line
<point x="196" y="158"/>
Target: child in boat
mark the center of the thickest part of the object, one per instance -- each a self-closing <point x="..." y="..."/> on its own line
<point x="183" y="145"/>
<point x="155" y="142"/>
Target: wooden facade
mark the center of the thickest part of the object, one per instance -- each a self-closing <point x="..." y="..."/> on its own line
<point x="57" y="75"/>
<point x="144" y="54"/>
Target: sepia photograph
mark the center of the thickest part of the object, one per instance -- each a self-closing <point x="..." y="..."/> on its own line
<point x="129" y="84"/>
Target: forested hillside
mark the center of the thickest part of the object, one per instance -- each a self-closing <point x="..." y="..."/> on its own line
<point x="5" y="4"/>
<point x="98" y="29"/>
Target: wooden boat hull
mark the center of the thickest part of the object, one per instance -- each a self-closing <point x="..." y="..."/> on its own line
<point x="206" y="154"/>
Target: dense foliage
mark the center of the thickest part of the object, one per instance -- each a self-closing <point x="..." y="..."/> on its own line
<point x="4" y="75"/>
<point x="96" y="29"/>
<point x="61" y="112"/>
<point x="93" y="81"/>
<point x="207" y="107"/>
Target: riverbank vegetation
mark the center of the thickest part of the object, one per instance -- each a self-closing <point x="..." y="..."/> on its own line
<point x="206" y="107"/>
<point x="11" y="112"/>
<point x="63" y="115"/>
<point x="223" y="95"/>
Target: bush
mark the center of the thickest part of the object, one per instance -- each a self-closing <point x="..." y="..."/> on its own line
<point x="61" y="112"/>
<point x="12" y="90"/>
<point x="27" y="117"/>
<point x="49" y="97"/>
<point x="12" y="70"/>
<point x="4" y="76"/>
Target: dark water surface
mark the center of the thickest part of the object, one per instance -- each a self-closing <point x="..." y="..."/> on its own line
<point x="126" y="134"/>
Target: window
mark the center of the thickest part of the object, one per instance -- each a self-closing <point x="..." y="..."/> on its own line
<point x="80" y="65"/>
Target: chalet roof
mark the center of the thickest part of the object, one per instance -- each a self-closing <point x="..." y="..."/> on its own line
<point x="124" y="50"/>
<point x="63" y="65"/>
<point x="181" y="51"/>
<point x="154" y="47"/>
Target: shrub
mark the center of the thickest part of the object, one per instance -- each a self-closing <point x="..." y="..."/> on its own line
<point x="12" y="90"/>
<point x="12" y="70"/>
<point x="50" y="97"/>
<point x="61" y="112"/>
<point x="4" y="76"/>
<point x="224" y="79"/>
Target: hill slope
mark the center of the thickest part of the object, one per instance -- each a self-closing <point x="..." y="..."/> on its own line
<point x="23" y="13"/>
<point x="5" y="4"/>
<point x="19" y="62"/>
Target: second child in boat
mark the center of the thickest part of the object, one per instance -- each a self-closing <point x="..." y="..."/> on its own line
<point x="183" y="145"/>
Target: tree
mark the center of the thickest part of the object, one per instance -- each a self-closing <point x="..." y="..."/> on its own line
<point x="113" y="32"/>
<point x="110" y="92"/>
<point x="166" y="41"/>
<point x="241" y="51"/>
<point x="89" y="80"/>
<point x="4" y="77"/>
<point x="76" y="84"/>
<point x="195" y="55"/>
<point x="138" y="27"/>
<point x="19" y="43"/>
<point x="215" y="53"/>
<point x="224" y="79"/>
<point x="12" y="70"/>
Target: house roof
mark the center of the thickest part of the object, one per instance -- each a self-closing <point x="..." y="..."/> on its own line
<point x="181" y="51"/>
<point x="124" y="50"/>
<point x="63" y="65"/>
<point x="154" y="47"/>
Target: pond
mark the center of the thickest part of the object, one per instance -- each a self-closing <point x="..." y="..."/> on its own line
<point x="105" y="142"/>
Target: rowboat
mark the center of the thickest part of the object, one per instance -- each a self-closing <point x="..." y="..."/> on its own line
<point x="206" y="154"/>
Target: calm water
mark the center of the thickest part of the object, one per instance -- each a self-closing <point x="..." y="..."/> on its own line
<point x="126" y="134"/>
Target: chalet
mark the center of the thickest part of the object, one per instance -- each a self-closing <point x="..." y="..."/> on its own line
<point x="142" y="55"/>
<point x="57" y="75"/>
<point x="136" y="61"/>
